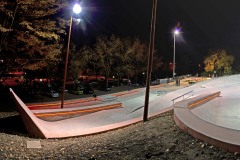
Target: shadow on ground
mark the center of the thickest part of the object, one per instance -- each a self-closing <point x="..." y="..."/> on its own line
<point x="13" y="125"/>
<point x="7" y="104"/>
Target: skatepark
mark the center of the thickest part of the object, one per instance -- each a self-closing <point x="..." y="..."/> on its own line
<point x="207" y="110"/>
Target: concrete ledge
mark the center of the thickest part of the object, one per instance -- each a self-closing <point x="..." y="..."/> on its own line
<point x="57" y="104"/>
<point x="225" y="138"/>
<point x="75" y="110"/>
<point x="125" y="93"/>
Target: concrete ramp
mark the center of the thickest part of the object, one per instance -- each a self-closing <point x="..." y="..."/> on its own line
<point x="58" y="129"/>
<point x="33" y="125"/>
<point x="223" y="137"/>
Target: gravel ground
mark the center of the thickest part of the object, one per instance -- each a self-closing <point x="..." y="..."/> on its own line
<point x="158" y="138"/>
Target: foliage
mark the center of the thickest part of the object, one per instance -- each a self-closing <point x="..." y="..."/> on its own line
<point x="119" y="57"/>
<point x="92" y="61"/>
<point x="32" y="37"/>
<point x="136" y="58"/>
<point x="122" y="66"/>
<point x="106" y="50"/>
<point x="78" y="61"/>
<point x="219" y="61"/>
<point x="30" y="32"/>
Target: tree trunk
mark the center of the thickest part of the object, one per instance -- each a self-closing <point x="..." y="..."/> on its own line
<point x="118" y="80"/>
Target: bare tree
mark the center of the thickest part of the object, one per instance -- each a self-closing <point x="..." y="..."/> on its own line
<point x="138" y="57"/>
<point x="106" y="50"/>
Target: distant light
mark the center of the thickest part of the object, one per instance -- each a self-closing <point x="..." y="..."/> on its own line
<point x="176" y="31"/>
<point x="77" y="8"/>
<point x="77" y="21"/>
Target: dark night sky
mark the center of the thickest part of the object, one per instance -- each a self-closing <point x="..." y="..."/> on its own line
<point x="205" y="25"/>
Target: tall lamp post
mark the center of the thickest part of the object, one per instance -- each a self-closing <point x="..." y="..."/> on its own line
<point x="150" y="60"/>
<point x="174" y="48"/>
<point x="76" y="9"/>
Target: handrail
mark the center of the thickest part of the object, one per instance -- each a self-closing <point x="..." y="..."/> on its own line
<point x="181" y="96"/>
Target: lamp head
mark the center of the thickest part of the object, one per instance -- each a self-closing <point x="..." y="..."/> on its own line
<point x="176" y="31"/>
<point x="77" y="8"/>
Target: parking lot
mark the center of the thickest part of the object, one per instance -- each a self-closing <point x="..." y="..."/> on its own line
<point x="68" y="96"/>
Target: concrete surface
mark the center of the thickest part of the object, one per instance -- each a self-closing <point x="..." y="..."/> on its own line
<point x="216" y="121"/>
<point x="101" y="121"/>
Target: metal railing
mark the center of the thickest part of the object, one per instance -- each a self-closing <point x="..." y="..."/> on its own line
<point x="182" y="96"/>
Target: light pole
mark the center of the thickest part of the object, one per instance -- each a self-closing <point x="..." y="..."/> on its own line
<point x="174" y="47"/>
<point x="150" y="59"/>
<point x="76" y="9"/>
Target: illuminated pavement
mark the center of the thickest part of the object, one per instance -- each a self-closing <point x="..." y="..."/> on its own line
<point x="130" y="112"/>
<point x="217" y="121"/>
<point x="222" y="111"/>
<point x="132" y="108"/>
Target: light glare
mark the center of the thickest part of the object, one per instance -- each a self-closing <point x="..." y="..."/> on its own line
<point x="176" y="31"/>
<point x="77" y="8"/>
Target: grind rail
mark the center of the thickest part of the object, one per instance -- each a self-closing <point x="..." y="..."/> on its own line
<point x="182" y="96"/>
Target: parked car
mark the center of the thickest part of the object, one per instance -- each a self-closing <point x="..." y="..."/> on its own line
<point x="52" y="93"/>
<point x="87" y="89"/>
<point x="78" y="90"/>
<point x="93" y="84"/>
<point x="135" y="84"/>
<point x="61" y="89"/>
<point x="104" y="88"/>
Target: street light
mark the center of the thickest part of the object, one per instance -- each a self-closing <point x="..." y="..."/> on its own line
<point x="175" y="33"/>
<point x="76" y="9"/>
<point x="150" y="59"/>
